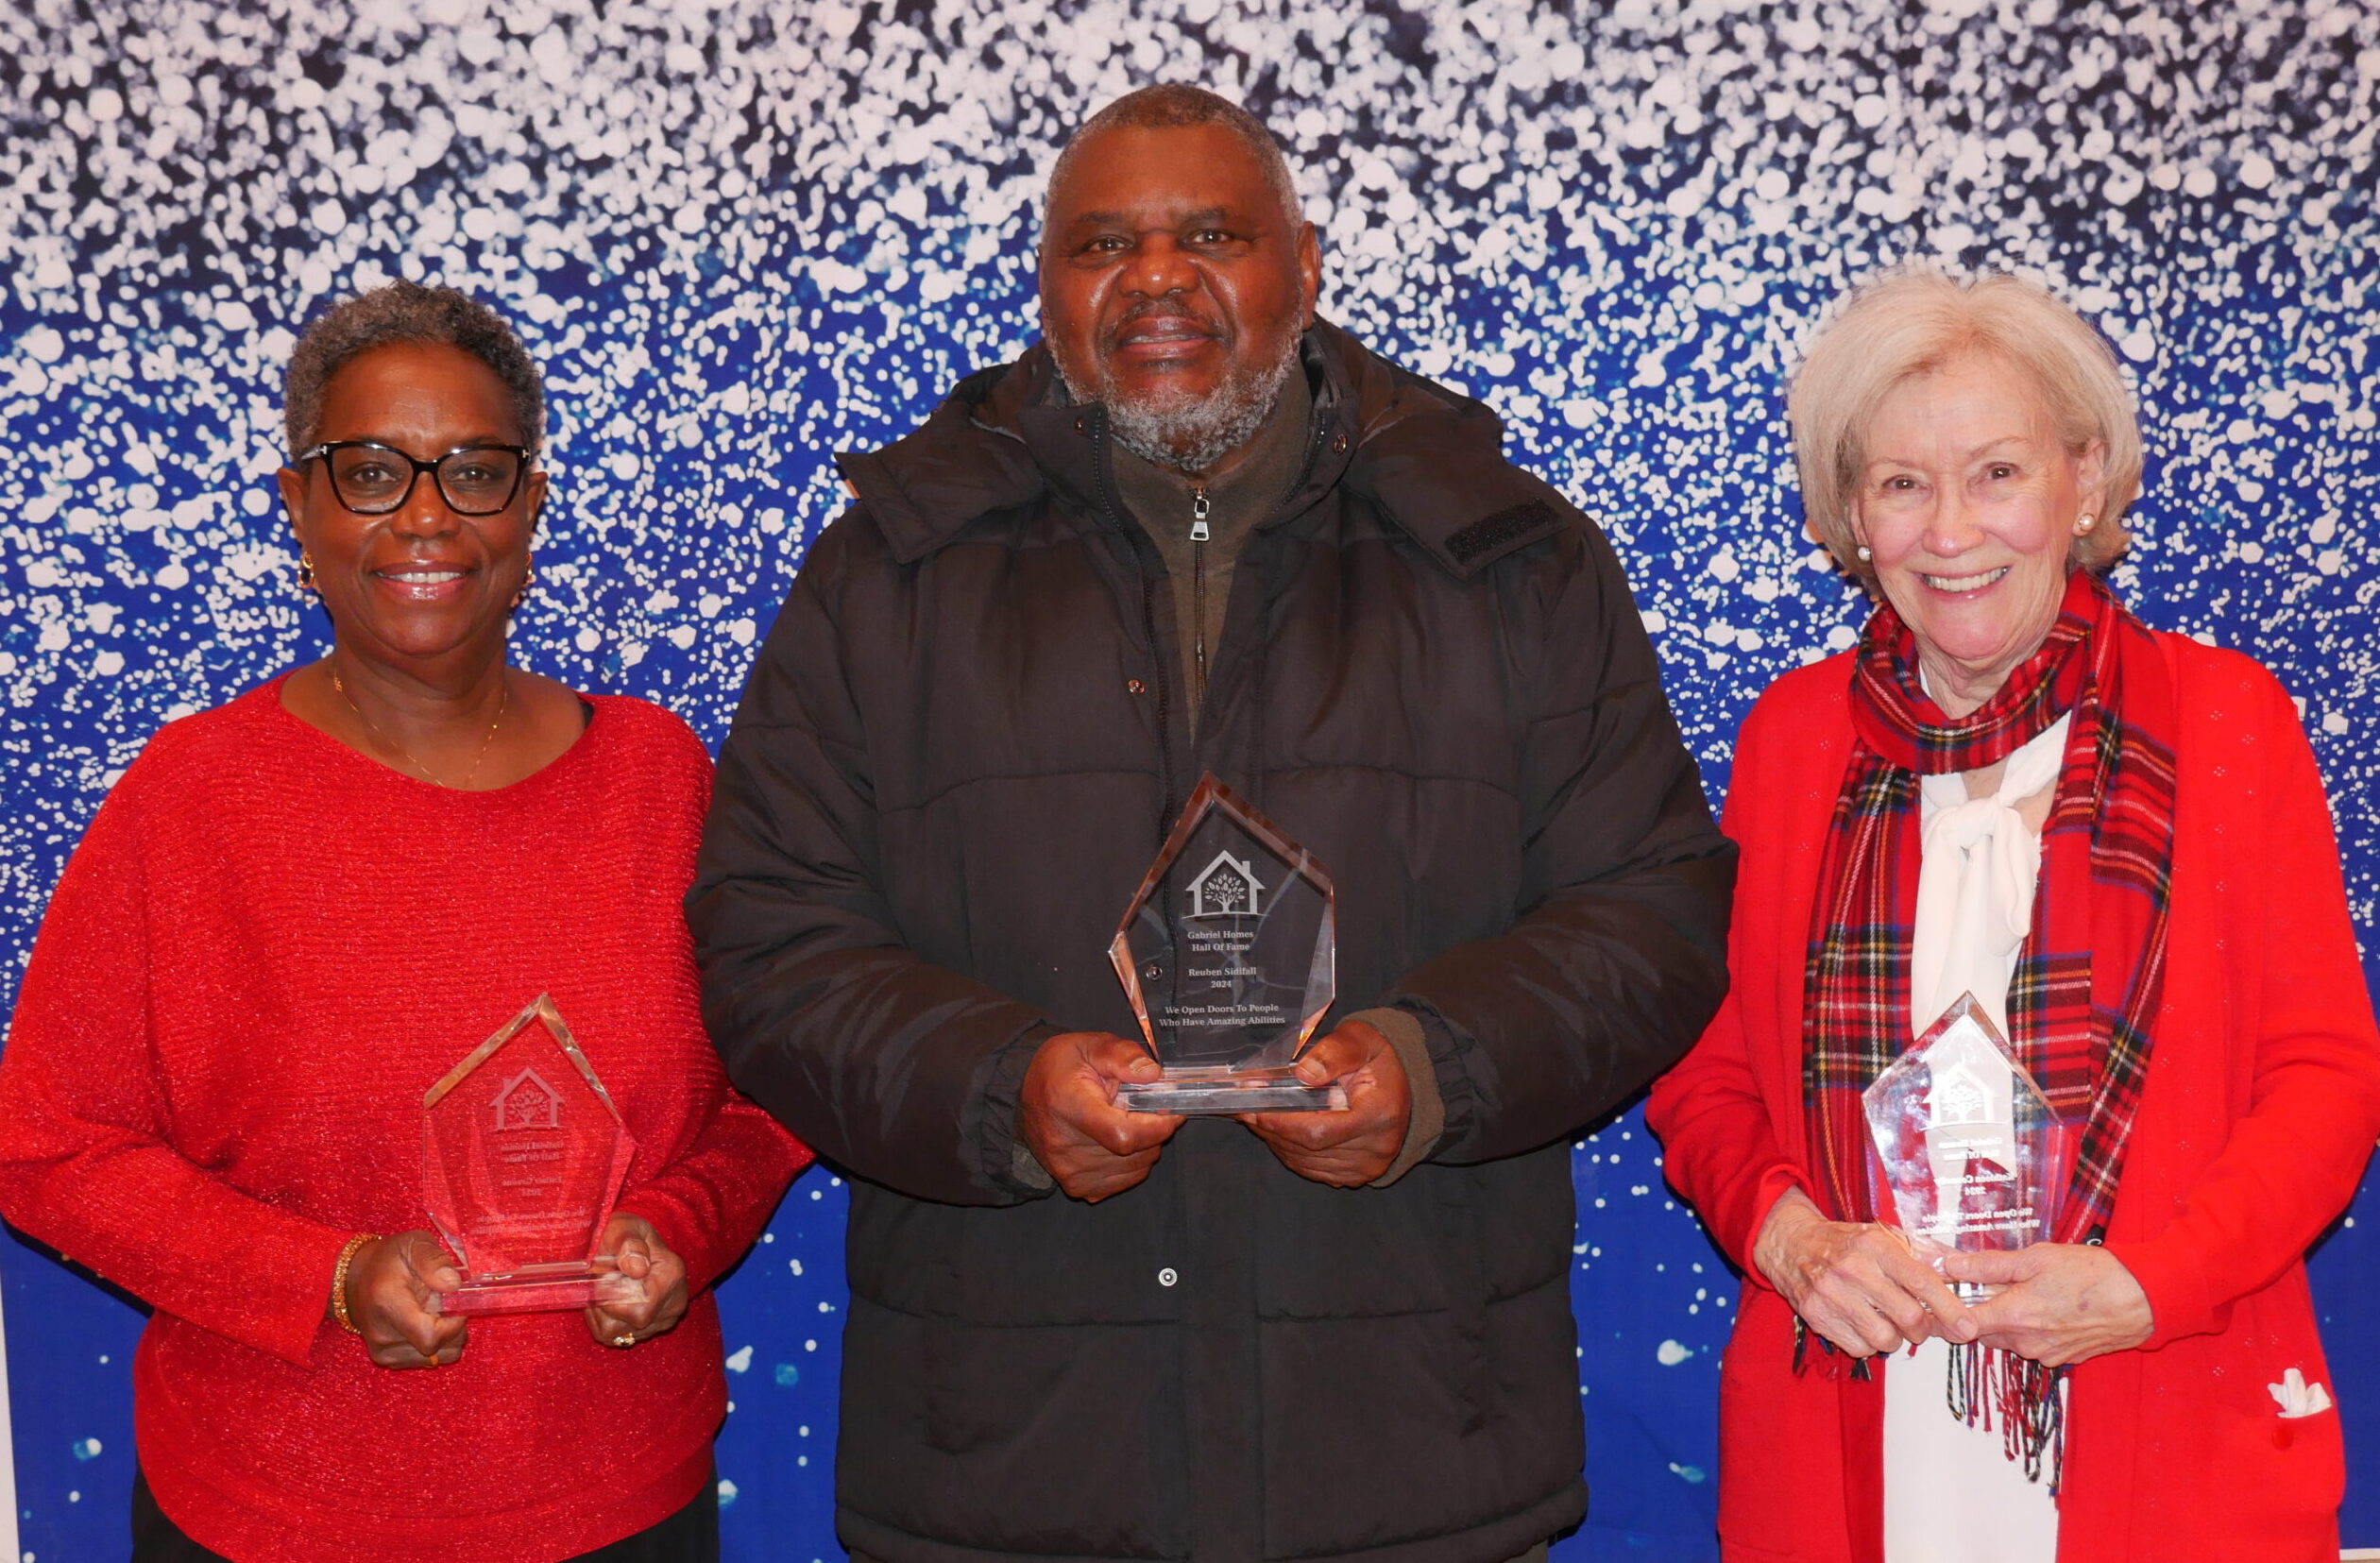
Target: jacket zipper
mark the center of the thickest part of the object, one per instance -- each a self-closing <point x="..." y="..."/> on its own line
<point x="1199" y="536"/>
<point x="1148" y="625"/>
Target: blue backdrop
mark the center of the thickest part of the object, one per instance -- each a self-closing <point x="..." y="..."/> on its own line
<point x="740" y="236"/>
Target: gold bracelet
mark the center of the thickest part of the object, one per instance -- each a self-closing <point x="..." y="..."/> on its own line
<point x="339" y="1279"/>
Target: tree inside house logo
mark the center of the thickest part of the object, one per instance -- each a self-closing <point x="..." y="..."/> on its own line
<point x="1228" y="886"/>
<point x="526" y="1102"/>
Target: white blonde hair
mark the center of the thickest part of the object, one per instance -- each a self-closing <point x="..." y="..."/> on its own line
<point x="1916" y="322"/>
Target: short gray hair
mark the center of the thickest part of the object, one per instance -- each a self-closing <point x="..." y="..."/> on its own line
<point x="1912" y="323"/>
<point x="1170" y="105"/>
<point x="406" y="311"/>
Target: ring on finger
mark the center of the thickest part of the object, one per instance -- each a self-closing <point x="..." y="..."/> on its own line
<point x="625" y="1339"/>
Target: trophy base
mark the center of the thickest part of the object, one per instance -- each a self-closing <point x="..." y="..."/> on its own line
<point x="1206" y="1093"/>
<point x="537" y="1289"/>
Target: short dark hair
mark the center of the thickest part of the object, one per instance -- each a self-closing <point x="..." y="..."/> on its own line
<point x="1173" y="104"/>
<point x="406" y="311"/>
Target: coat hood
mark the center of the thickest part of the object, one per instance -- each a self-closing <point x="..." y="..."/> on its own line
<point x="1428" y="459"/>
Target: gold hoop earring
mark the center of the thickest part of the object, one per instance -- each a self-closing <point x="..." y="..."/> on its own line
<point x="306" y="581"/>
<point x="528" y="579"/>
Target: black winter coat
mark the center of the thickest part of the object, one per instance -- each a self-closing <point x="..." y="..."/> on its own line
<point x="962" y="746"/>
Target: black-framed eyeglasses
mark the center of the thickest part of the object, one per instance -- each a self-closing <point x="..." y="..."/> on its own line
<point x="372" y="479"/>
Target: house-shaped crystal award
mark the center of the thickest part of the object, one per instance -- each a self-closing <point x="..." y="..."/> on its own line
<point x="1227" y="956"/>
<point x="523" y="1155"/>
<point x="1965" y="1141"/>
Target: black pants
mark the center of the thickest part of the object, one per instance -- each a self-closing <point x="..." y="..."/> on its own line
<point x="690" y="1536"/>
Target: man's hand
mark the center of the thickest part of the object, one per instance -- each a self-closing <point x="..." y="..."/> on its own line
<point x="1349" y="1148"/>
<point x="1855" y="1283"/>
<point x="1067" y="1117"/>
<point x="2056" y="1302"/>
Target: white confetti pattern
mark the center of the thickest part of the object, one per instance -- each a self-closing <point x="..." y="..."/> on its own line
<point x="739" y="236"/>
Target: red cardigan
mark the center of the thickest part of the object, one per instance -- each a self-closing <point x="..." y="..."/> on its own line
<point x="2262" y="1104"/>
<point x="265" y="949"/>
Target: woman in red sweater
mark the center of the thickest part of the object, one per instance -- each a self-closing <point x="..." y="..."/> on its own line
<point x="2116" y="841"/>
<point x="293" y="916"/>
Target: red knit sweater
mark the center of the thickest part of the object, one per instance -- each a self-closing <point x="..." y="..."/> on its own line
<point x="265" y="949"/>
<point x="2262" y="1101"/>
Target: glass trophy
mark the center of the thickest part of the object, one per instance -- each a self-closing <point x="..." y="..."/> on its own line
<point x="1228" y="957"/>
<point x="1966" y="1143"/>
<point x="523" y="1155"/>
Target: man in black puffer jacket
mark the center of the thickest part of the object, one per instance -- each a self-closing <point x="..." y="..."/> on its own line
<point x="1200" y="531"/>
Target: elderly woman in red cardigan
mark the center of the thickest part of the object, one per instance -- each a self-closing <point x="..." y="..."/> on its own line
<point x="2116" y="841"/>
<point x="294" y="915"/>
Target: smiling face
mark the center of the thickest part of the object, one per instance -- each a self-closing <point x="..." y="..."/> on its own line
<point x="1174" y="288"/>
<point x="1969" y="502"/>
<point x="420" y="584"/>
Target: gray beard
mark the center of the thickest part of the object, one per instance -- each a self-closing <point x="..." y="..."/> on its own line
<point x="1186" y="433"/>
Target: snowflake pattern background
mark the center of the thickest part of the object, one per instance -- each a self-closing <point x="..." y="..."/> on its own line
<point x="740" y="236"/>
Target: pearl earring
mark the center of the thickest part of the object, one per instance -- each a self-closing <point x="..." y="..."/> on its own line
<point x="1864" y="553"/>
<point x="2084" y="523"/>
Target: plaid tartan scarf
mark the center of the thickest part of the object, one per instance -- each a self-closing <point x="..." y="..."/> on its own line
<point x="2089" y="974"/>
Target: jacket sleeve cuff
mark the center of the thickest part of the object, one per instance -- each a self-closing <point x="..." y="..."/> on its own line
<point x="1006" y="1165"/>
<point x="1425" y="1122"/>
<point x="1773" y="1185"/>
<point x="2182" y="1299"/>
<point x="1028" y="1173"/>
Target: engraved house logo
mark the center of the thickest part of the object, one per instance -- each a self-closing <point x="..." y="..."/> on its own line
<point x="528" y="1102"/>
<point x="1227" y="887"/>
<point x="1971" y="1083"/>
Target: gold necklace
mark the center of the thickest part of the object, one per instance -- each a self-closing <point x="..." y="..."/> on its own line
<point x="503" y="701"/>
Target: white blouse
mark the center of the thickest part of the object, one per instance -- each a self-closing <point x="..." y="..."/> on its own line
<point x="1951" y="1495"/>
